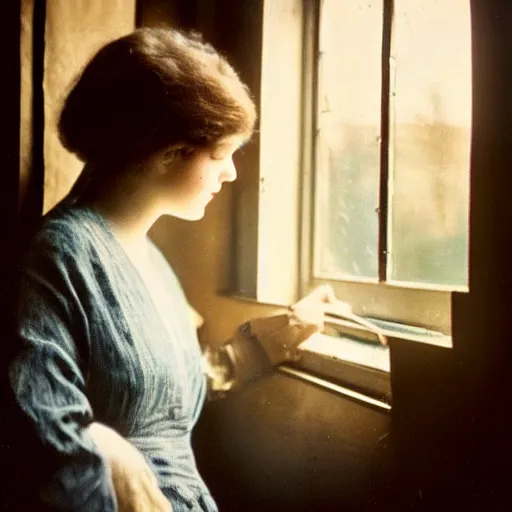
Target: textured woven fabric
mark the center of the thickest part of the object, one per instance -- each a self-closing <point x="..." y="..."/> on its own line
<point x="93" y="347"/>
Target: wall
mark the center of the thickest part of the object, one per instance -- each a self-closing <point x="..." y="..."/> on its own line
<point x="73" y="33"/>
<point x="26" y="93"/>
<point x="282" y="444"/>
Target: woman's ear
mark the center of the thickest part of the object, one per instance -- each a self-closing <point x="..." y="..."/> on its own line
<point x="170" y="154"/>
<point x="186" y="151"/>
<point x="177" y="151"/>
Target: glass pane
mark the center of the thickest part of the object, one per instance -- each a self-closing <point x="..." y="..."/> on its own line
<point x="348" y="139"/>
<point x="431" y="130"/>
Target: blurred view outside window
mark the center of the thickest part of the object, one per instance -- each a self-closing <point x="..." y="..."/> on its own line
<point x="429" y="142"/>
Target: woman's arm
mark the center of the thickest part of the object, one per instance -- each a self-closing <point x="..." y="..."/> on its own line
<point x="261" y="344"/>
<point x="73" y="463"/>
<point x="64" y="467"/>
<point x="238" y="361"/>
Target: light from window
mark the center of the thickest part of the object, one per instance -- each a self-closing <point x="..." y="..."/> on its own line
<point x="430" y="138"/>
<point x="348" y="133"/>
<point x="409" y="135"/>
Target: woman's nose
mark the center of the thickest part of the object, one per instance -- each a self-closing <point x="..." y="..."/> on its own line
<point x="229" y="173"/>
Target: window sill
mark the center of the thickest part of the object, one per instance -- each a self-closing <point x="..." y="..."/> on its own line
<point x="391" y="330"/>
<point x="344" y="348"/>
<point x="347" y="392"/>
<point x="347" y="358"/>
<point x="355" y="365"/>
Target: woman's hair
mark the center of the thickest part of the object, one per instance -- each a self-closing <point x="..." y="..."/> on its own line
<point x="149" y="90"/>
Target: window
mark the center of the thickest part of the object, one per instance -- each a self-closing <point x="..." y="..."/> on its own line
<point x="359" y="173"/>
<point x="386" y="208"/>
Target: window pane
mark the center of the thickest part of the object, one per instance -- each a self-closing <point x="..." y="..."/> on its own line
<point x="348" y="139"/>
<point x="430" y="142"/>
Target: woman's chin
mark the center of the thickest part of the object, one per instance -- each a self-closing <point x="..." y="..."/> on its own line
<point x="196" y="216"/>
<point x="190" y="215"/>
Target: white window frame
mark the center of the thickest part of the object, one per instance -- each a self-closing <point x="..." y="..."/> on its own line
<point x="274" y="266"/>
<point x="419" y="305"/>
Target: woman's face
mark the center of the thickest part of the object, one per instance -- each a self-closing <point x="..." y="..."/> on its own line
<point x="193" y="182"/>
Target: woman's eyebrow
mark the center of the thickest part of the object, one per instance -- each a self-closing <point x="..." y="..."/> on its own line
<point x="225" y="144"/>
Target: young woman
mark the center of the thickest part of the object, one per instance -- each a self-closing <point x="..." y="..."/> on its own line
<point x="107" y="375"/>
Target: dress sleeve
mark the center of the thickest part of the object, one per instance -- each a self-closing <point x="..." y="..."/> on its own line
<point x="257" y="347"/>
<point x="47" y="386"/>
<point x="240" y="360"/>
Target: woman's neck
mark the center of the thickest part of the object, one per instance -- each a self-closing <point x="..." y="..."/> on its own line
<point x="127" y="204"/>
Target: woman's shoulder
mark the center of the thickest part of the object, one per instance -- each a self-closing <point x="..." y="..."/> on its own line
<point x="63" y="233"/>
<point x="53" y="263"/>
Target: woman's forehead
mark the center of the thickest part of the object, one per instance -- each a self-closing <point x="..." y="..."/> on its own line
<point x="234" y="141"/>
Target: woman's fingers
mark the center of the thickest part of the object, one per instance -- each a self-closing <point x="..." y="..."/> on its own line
<point x="323" y="294"/>
<point x="326" y="293"/>
<point x="154" y="497"/>
<point x="140" y="494"/>
<point x="309" y="316"/>
<point x="135" y="484"/>
<point x="151" y="475"/>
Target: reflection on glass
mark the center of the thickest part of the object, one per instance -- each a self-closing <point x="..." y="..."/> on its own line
<point x="348" y="139"/>
<point x="430" y="142"/>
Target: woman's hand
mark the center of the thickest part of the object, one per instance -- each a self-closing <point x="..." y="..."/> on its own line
<point x="280" y="335"/>
<point x="311" y="309"/>
<point x="134" y="483"/>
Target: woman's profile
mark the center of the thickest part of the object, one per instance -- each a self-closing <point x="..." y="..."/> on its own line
<point x="106" y="375"/>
